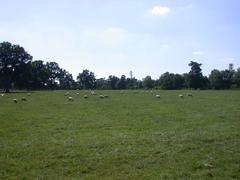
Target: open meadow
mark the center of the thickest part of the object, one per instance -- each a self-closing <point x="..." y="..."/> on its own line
<point x="128" y="135"/>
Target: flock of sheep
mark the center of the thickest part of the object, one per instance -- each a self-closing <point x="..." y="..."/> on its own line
<point x="70" y="98"/>
<point x="101" y="96"/>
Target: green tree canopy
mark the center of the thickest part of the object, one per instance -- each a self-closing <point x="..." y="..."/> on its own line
<point x="12" y="59"/>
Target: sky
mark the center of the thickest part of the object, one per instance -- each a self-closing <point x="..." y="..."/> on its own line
<point x="114" y="37"/>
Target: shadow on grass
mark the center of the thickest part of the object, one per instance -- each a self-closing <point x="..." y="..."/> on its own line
<point x="16" y="92"/>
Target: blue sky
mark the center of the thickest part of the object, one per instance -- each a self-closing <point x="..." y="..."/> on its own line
<point x="111" y="37"/>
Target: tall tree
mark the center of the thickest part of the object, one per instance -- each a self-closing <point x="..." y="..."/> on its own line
<point x="148" y="82"/>
<point x="112" y="82"/>
<point x="216" y="79"/>
<point x="66" y="80"/>
<point x="122" y="82"/>
<point x="131" y="83"/>
<point x="195" y="77"/>
<point x="86" y="80"/>
<point x="236" y="77"/>
<point x="39" y="75"/>
<point x="171" y="81"/>
<point x="12" y="57"/>
<point x="54" y="74"/>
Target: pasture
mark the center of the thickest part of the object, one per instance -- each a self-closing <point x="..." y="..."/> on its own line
<point x="129" y="135"/>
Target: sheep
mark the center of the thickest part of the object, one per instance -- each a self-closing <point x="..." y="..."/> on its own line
<point x="101" y="96"/>
<point x="29" y="94"/>
<point x="70" y="98"/>
<point x="77" y="93"/>
<point x="23" y="99"/>
<point x="105" y="96"/>
<point x="2" y="95"/>
<point x="180" y="95"/>
<point x="157" y="96"/>
<point x="189" y="94"/>
<point x="93" y="93"/>
<point x="85" y="96"/>
<point x="15" y="100"/>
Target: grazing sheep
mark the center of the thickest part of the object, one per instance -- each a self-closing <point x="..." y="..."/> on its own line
<point x="15" y="100"/>
<point x="85" y="96"/>
<point x="189" y="94"/>
<point x="2" y="95"/>
<point x="157" y="96"/>
<point x="180" y="95"/>
<point x="70" y="98"/>
<point x="93" y="93"/>
<point x="101" y="96"/>
<point x="23" y="99"/>
<point x="77" y="93"/>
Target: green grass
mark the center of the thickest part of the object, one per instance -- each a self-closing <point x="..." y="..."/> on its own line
<point x="126" y="136"/>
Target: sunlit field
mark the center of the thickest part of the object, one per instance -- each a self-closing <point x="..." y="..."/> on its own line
<point x="128" y="135"/>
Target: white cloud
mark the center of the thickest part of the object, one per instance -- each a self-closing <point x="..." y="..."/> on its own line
<point x="198" y="53"/>
<point x="160" y="10"/>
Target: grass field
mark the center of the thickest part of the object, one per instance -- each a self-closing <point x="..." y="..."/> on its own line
<point x="126" y="136"/>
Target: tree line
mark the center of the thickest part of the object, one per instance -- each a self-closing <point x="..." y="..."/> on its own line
<point x="19" y="71"/>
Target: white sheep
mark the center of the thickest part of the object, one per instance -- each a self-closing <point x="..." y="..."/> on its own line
<point x="70" y="98"/>
<point x="77" y="93"/>
<point x="2" y="95"/>
<point x="157" y="96"/>
<point x="85" y="96"/>
<point x="101" y="96"/>
<point x="93" y="93"/>
<point x="180" y="95"/>
<point x="15" y="100"/>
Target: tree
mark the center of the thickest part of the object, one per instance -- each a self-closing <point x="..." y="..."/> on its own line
<point x="12" y="58"/>
<point x="195" y="77"/>
<point x="166" y="80"/>
<point x="54" y="74"/>
<point x="221" y="79"/>
<point x="39" y="75"/>
<point x="122" y="83"/>
<point x="131" y="83"/>
<point x="171" y="81"/>
<point x="101" y="83"/>
<point x="112" y="82"/>
<point x="236" y="77"/>
<point x="148" y="83"/>
<point x="23" y="78"/>
<point x="66" y="80"/>
<point x="216" y="80"/>
<point x="227" y="77"/>
<point x="86" y="80"/>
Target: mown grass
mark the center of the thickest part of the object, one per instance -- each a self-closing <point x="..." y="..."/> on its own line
<point x="126" y="136"/>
